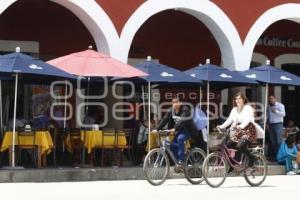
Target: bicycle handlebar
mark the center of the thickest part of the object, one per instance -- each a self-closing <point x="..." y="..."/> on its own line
<point x="165" y="132"/>
<point x="222" y="131"/>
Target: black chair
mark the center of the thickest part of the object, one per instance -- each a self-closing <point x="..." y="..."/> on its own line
<point x="31" y="149"/>
<point x="77" y="145"/>
<point x="53" y="133"/>
<point x="128" y="133"/>
<point x="108" y="150"/>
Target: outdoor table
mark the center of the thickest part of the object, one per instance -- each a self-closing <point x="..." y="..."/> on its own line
<point x="93" y="138"/>
<point x="154" y="143"/>
<point x="42" y="139"/>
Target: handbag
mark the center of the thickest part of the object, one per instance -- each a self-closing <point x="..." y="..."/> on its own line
<point x="248" y="133"/>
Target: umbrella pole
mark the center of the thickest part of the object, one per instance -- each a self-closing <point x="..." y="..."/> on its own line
<point x="86" y="112"/>
<point x="207" y="113"/>
<point x="65" y="107"/>
<point x="1" y="116"/>
<point x="265" y="116"/>
<point x="65" y="114"/>
<point x="14" y="122"/>
<point x="87" y="99"/>
<point x="143" y="99"/>
<point x="200" y="100"/>
<point x="149" y="114"/>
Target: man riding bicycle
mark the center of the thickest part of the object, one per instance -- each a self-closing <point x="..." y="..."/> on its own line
<point x="179" y="118"/>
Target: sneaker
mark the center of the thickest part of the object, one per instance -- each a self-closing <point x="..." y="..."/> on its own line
<point x="291" y="173"/>
<point x="230" y="170"/>
<point x="179" y="167"/>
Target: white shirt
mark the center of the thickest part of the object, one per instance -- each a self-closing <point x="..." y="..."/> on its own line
<point x="277" y="116"/>
<point x="243" y="117"/>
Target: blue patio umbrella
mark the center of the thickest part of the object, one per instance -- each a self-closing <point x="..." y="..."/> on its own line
<point x="218" y="75"/>
<point x="32" y="69"/>
<point x="159" y="73"/>
<point x="268" y="74"/>
<point x="271" y="75"/>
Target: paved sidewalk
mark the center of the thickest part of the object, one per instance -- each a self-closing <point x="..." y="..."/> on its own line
<point x="275" y="187"/>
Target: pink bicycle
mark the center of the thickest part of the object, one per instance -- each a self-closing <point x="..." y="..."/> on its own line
<point x="217" y="164"/>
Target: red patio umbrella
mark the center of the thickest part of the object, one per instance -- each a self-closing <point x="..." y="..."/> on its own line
<point x="90" y="63"/>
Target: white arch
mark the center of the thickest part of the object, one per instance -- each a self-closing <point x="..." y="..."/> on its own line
<point x="206" y="11"/>
<point x="92" y="16"/>
<point x="286" y="11"/>
<point x="286" y="59"/>
<point x="259" y="58"/>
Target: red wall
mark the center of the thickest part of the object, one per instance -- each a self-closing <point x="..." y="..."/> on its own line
<point x="119" y="11"/>
<point x="242" y="13"/>
<point x="176" y="39"/>
<point x="56" y="28"/>
<point x="284" y="30"/>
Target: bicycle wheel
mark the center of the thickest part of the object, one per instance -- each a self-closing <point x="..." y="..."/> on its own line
<point x="214" y="169"/>
<point x="258" y="174"/>
<point x="193" y="166"/>
<point x="156" y="166"/>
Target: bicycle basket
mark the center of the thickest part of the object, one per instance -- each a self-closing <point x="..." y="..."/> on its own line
<point x="216" y="142"/>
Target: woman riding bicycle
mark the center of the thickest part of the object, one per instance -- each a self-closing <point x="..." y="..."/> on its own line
<point x="243" y="129"/>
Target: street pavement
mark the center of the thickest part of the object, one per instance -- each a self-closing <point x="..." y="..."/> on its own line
<point x="275" y="187"/>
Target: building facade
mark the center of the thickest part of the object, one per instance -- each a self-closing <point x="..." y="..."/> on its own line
<point x="180" y="33"/>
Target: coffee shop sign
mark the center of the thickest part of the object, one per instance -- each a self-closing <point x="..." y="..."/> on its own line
<point x="278" y="42"/>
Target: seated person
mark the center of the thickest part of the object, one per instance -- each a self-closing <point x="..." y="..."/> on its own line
<point x="291" y="129"/>
<point x="179" y="118"/>
<point x="89" y="119"/>
<point x="20" y="123"/>
<point x="287" y="153"/>
<point x="144" y="130"/>
<point x="56" y="121"/>
<point x="142" y="137"/>
<point x="41" y="122"/>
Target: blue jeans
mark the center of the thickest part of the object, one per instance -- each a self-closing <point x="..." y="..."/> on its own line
<point x="275" y="132"/>
<point x="287" y="161"/>
<point x="178" y="145"/>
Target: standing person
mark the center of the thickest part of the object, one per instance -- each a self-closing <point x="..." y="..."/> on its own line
<point x="275" y="114"/>
<point x="179" y="118"/>
<point x="244" y="129"/>
<point x="200" y="120"/>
